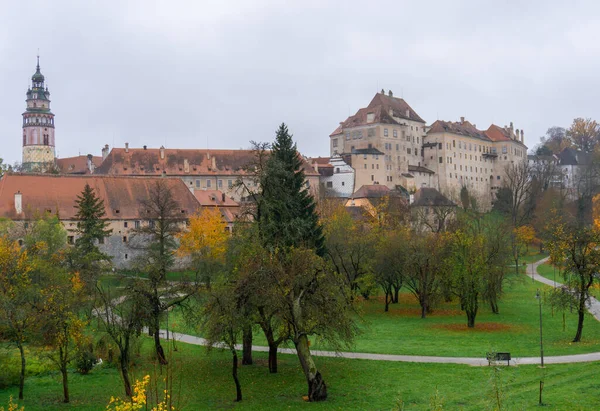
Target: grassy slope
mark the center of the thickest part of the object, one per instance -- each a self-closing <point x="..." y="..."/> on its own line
<point x="444" y="332"/>
<point x="353" y="384"/>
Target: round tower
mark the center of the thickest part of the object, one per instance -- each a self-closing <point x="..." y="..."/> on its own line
<point x="38" y="126"/>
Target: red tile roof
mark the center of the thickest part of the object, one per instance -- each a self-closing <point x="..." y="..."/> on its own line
<point x="76" y="165"/>
<point x="43" y="193"/>
<point x="464" y="128"/>
<point x="384" y="108"/>
<point x="180" y="162"/>
<point x="497" y="133"/>
<point x="214" y="198"/>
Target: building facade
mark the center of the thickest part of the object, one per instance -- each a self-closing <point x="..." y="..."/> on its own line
<point x="446" y="156"/>
<point x="198" y="169"/>
<point x="38" y="126"/>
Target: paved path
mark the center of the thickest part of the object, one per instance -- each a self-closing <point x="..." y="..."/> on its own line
<point x="593" y="304"/>
<point x="562" y="359"/>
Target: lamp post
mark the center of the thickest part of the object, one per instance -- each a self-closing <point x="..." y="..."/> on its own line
<point x="539" y="297"/>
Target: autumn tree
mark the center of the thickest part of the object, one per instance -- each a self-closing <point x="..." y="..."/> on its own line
<point x="205" y="242"/>
<point x="425" y="269"/>
<point x="477" y="259"/>
<point x="62" y="327"/>
<point x="556" y="139"/>
<point x="158" y="241"/>
<point x="521" y="238"/>
<point x="578" y="245"/>
<point x="121" y="319"/>
<point x="349" y="247"/>
<point x="391" y="257"/>
<point x="18" y="314"/>
<point x="584" y="133"/>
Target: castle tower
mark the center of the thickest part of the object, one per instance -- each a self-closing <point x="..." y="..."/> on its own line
<point x="38" y="127"/>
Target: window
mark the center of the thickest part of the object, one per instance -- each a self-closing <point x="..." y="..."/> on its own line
<point x="504" y="150"/>
<point x="208" y="183"/>
<point x="220" y="183"/>
<point x="397" y="147"/>
<point x="417" y="140"/>
<point x="440" y="160"/>
<point x="408" y="151"/>
<point x="403" y="135"/>
<point x="415" y="151"/>
<point x="377" y="166"/>
<point x="136" y="224"/>
<point x="334" y="142"/>
<point x="385" y="132"/>
<point x="151" y="223"/>
<point x="372" y="166"/>
<point x="101" y="240"/>
<point x="329" y="184"/>
<point x="365" y="166"/>
<point x="126" y="256"/>
<point x="395" y="133"/>
<point x="343" y="184"/>
<point x="459" y="144"/>
<point x="337" y="169"/>
<point x="124" y="238"/>
<point x="125" y="224"/>
<point x="440" y="146"/>
<point x="498" y="178"/>
<point x="453" y="143"/>
<point x="371" y="132"/>
<point x="71" y="239"/>
<point x="198" y="183"/>
<point x="372" y="177"/>
<point x="229" y="183"/>
<point x="348" y="135"/>
<point x="117" y="211"/>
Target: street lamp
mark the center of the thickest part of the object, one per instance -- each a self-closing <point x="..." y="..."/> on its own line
<point x="539" y="297"/>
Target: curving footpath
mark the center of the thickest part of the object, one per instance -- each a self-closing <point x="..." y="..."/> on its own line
<point x="561" y="359"/>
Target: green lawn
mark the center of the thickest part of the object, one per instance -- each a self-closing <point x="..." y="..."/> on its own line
<point x="206" y="383"/>
<point x="547" y="270"/>
<point x="444" y="332"/>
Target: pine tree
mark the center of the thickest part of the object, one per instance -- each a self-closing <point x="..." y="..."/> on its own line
<point x="91" y="227"/>
<point x="288" y="215"/>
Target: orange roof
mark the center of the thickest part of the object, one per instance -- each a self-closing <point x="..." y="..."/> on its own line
<point x="464" y="128"/>
<point x="180" y="162"/>
<point x="76" y="165"/>
<point x="122" y="196"/>
<point x="497" y="133"/>
<point x="384" y="109"/>
<point x="214" y="198"/>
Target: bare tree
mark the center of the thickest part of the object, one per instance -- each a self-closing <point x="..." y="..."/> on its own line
<point x="519" y="181"/>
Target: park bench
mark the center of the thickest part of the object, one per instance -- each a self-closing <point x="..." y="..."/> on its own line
<point x="498" y="356"/>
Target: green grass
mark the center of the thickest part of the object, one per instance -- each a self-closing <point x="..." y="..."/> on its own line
<point x="548" y="271"/>
<point x="206" y="383"/>
<point x="444" y="332"/>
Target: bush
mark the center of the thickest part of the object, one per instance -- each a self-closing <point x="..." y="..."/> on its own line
<point x="85" y="361"/>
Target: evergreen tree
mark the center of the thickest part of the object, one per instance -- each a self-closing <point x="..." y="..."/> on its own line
<point x="91" y="227"/>
<point x="287" y="212"/>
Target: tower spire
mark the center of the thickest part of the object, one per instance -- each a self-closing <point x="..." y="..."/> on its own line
<point x="38" y="60"/>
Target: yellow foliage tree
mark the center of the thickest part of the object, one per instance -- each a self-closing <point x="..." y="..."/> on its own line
<point x="139" y="399"/>
<point x="205" y="241"/>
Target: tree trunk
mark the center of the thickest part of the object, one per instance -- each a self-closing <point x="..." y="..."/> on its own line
<point x="396" y="293"/>
<point x="234" y="368"/>
<point x="22" y="375"/>
<point x="581" y="313"/>
<point x="471" y="314"/>
<point x="317" y="389"/>
<point x="494" y="306"/>
<point x="124" y="363"/>
<point x="160" y="353"/>
<point x="247" y="346"/>
<point x="65" y="382"/>
<point x="272" y="358"/>
<point x="388" y="297"/>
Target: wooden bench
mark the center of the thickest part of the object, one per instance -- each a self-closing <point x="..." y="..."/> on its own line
<point x="498" y="356"/>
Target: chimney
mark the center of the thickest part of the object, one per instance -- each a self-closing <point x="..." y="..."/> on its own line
<point x="162" y="152"/>
<point x="390" y="93"/>
<point x="145" y="147"/>
<point x="462" y="120"/>
<point x="223" y="197"/>
<point x="213" y="163"/>
<point x="408" y="113"/>
<point x="105" y="152"/>
<point x="511" y="126"/>
<point x="19" y="202"/>
<point x="90" y="164"/>
<point x="522" y="137"/>
<point x="127" y="147"/>
<point x="383" y="91"/>
<point x="186" y="165"/>
<point x="517" y="134"/>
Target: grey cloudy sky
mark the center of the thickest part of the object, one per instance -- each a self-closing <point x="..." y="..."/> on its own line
<point x="221" y="73"/>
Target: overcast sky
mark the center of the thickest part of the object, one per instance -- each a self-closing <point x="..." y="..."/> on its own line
<point x="217" y="74"/>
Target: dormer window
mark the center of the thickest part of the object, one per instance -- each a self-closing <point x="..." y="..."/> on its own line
<point x="117" y="211"/>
